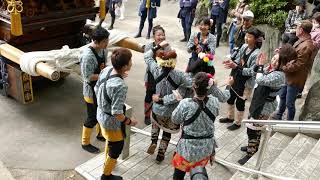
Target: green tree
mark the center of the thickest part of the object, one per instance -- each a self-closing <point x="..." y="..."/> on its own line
<point x="272" y="12"/>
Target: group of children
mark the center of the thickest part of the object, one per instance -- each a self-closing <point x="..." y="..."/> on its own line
<point x="186" y="102"/>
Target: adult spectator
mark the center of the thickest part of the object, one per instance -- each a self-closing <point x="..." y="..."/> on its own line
<point x="148" y="9"/>
<point x="186" y="14"/>
<point x="219" y="16"/>
<point x="315" y="32"/>
<point x="297" y="70"/>
<point x="239" y="36"/>
<point x="241" y="7"/>
<point x="293" y="19"/>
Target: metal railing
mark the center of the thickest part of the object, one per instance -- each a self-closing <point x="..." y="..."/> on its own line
<point x="269" y="126"/>
<point x="223" y="162"/>
<point x="274" y="125"/>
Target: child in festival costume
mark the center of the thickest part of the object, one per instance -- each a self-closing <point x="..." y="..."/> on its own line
<point x="269" y="82"/>
<point x="158" y="35"/>
<point x="202" y="48"/>
<point x="201" y="42"/>
<point x="111" y="93"/>
<point x="92" y="61"/>
<point x="196" y="115"/>
<point x="167" y="79"/>
<point x="243" y="75"/>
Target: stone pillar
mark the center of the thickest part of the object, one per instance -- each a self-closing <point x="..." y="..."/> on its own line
<point x="272" y="39"/>
<point x="311" y="109"/>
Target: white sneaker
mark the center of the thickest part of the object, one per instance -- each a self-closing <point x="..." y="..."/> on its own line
<point x="121" y="18"/>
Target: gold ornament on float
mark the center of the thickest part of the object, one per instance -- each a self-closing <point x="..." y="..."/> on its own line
<point x="15" y="8"/>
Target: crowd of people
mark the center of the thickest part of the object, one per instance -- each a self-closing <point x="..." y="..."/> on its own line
<point x="189" y="102"/>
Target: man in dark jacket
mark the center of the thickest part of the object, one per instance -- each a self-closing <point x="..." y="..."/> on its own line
<point x="297" y="70"/>
<point x="186" y="14"/>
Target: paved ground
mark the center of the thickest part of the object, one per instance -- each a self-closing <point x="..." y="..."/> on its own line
<point x="42" y="140"/>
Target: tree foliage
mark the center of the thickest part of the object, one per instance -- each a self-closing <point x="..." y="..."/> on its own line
<point x="272" y="12"/>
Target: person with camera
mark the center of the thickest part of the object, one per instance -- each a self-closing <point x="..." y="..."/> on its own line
<point x="186" y="15"/>
<point x="243" y="75"/>
<point x="293" y="19"/>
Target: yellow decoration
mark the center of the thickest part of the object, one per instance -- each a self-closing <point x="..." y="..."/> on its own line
<point x="171" y="63"/>
<point x="206" y="59"/>
<point x="15" y="8"/>
<point x="102" y="9"/>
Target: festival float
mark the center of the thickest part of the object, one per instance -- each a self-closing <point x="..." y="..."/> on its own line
<point x="40" y="38"/>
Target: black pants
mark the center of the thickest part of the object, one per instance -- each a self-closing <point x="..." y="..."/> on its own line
<point x="240" y="103"/>
<point x="91" y="120"/>
<point x="115" y="148"/>
<point x="178" y="174"/>
<point x="112" y="12"/>
<point x="218" y="25"/>
<point x="143" y="17"/>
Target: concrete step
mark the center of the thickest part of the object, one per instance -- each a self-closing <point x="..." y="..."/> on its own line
<point x="229" y="143"/>
<point x="292" y="156"/>
<point x="310" y="167"/>
<point x="5" y="173"/>
<point x="276" y="144"/>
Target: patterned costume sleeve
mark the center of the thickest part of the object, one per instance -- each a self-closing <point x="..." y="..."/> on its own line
<point x="171" y="99"/>
<point x="212" y="40"/>
<point x="152" y="65"/>
<point x="274" y="79"/>
<point x="180" y="113"/>
<point x="106" y="56"/>
<point x="148" y="47"/>
<point x="222" y="96"/>
<point x="118" y="98"/>
<point x="87" y="67"/>
<point x="191" y="43"/>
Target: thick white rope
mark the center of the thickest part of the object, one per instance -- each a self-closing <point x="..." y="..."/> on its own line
<point x="62" y="59"/>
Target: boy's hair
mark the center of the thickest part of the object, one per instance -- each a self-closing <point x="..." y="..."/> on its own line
<point x="100" y="34"/>
<point x="120" y="57"/>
